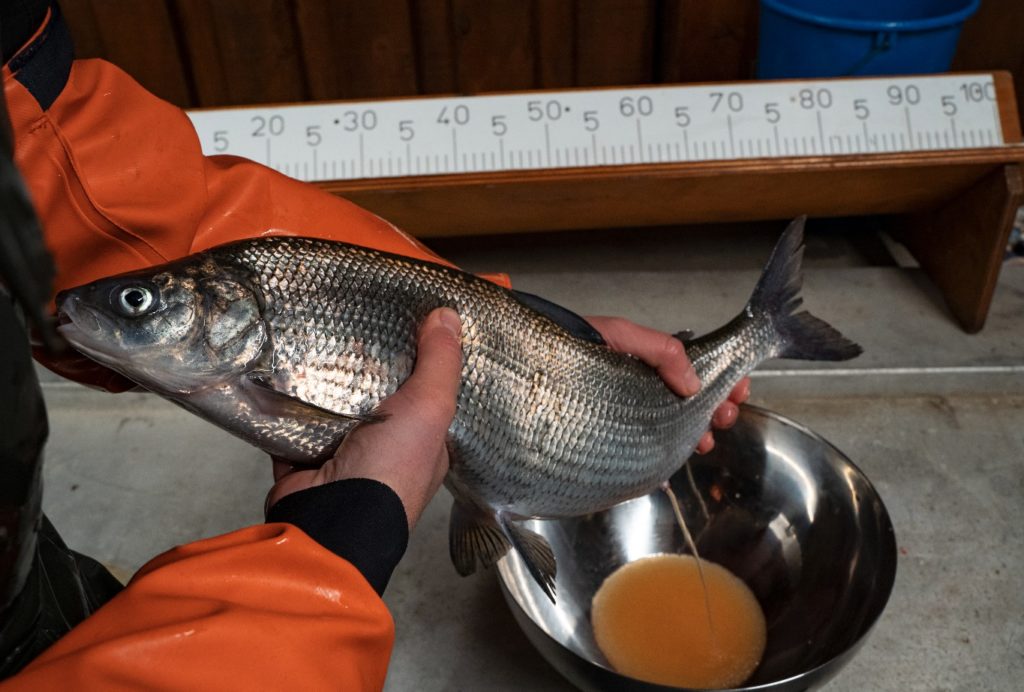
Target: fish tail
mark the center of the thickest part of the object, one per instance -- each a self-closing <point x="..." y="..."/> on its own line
<point x="799" y="335"/>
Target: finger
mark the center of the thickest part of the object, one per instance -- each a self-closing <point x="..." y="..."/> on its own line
<point x="661" y="351"/>
<point x="432" y="387"/>
<point x="741" y="392"/>
<point x="706" y="444"/>
<point x="725" y="416"/>
<point x="281" y="468"/>
<point x="290" y="483"/>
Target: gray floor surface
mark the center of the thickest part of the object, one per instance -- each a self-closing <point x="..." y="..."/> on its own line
<point x="935" y="418"/>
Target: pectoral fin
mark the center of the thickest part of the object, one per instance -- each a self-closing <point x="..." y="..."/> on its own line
<point x="271" y="402"/>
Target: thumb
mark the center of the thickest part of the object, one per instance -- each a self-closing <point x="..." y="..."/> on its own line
<point x="434" y="383"/>
<point x="417" y="419"/>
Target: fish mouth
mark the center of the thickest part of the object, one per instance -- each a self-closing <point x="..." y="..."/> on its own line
<point x="85" y="328"/>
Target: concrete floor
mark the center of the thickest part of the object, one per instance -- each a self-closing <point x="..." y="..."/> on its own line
<point x="934" y="417"/>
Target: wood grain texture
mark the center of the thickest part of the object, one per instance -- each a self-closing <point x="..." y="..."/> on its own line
<point x="707" y="41"/>
<point x="554" y="36"/>
<point x="614" y="42"/>
<point x="243" y="51"/>
<point x="493" y="44"/>
<point x="199" y="38"/>
<point x="84" y="31"/>
<point x="354" y="50"/>
<point x="960" y="242"/>
<point x="222" y="52"/>
<point x="663" y="194"/>
<point x="435" y="46"/>
<point x="992" y="40"/>
<point x="102" y="28"/>
<point x="1009" y="113"/>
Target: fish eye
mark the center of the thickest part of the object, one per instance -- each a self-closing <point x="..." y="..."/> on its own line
<point x="135" y="300"/>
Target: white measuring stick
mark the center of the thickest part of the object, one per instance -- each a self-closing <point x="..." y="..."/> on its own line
<point x="608" y="127"/>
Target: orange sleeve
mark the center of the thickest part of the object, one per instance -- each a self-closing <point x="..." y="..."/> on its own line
<point x="119" y="181"/>
<point x="260" y="608"/>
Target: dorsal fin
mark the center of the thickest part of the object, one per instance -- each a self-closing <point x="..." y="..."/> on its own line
<point x="563" y="317"/>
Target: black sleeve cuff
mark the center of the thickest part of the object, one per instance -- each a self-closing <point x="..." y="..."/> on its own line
<point x="358" y="519"/>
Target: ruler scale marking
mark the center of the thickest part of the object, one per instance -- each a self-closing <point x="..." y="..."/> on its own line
<point x="592" y="127"/>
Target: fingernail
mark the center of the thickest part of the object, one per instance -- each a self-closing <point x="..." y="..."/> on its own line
<point x="691" y="381"/>
<point x="450" y="320"/>
<point x="722" y="417"/>
<point x="706" y="444"/>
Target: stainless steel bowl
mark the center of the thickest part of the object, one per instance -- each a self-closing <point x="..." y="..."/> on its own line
<point x="786" y="512"/>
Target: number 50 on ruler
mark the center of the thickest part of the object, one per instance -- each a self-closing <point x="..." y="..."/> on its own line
<point x="609" y="127"/>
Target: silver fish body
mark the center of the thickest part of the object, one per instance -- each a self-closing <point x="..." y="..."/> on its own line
<point x="291" y="342"/>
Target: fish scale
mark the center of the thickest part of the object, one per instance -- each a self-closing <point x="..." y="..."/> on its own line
<point x="291" y="342"/>
<point x="542" y="457"/>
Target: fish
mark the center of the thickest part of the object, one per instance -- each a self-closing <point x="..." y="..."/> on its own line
<point x="291" y="342"/>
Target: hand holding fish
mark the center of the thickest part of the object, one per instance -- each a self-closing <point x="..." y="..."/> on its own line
<point x="666" y="354"/>
<point x="406" y="451"/>
<point x="420" y="412"/>
<point x="294" y="343"/>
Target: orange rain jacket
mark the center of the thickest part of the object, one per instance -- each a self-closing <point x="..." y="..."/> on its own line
<point x="120" y="182"/>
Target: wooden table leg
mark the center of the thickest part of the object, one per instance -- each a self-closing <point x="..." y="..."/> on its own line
<point x="961" y="244"/>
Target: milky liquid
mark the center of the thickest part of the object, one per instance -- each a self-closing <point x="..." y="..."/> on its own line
<point x="650" y="618"/>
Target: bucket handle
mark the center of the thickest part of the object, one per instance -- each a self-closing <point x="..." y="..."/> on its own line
<point x="881" y="43"/>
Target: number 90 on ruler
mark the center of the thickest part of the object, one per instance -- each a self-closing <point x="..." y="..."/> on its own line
<point x="609" y="127"/>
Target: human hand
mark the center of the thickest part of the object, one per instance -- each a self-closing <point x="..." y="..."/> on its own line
<point x="666" y="354"/>
<point x="406" y="451"/>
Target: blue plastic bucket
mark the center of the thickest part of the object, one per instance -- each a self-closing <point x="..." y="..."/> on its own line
<point x="838" y="38"/>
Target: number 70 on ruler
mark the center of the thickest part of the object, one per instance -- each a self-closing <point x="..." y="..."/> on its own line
<point x="609" y="127"/>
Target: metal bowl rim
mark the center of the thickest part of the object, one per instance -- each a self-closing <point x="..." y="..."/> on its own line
<point x="888" y="586"/>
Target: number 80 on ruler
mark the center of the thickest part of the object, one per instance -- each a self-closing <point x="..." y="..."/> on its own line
<point x="609" y="127"/>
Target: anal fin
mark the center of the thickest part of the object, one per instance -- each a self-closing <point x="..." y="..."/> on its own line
<point x="536" y="554"/>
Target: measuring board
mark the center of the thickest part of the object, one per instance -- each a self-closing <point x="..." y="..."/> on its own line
<point x="609" y="127"/>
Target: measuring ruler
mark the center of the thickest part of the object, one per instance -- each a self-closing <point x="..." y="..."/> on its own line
<point x="608" y="127"/>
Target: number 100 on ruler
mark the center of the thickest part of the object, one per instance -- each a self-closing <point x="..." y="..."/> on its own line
<point x="608" y="127"/>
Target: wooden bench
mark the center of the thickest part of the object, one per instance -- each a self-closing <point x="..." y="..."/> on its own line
<point x="953" y="209"/>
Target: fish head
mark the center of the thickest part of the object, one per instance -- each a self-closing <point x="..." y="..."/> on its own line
<point x="174" y="330"/>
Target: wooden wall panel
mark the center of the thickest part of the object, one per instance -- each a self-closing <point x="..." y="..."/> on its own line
<point x="137" y="36"/>
<point x="703" y="41"/>
<point x="554" y="38"/>
<point x="82" y="23"/>
<point x="357" y="50"/>
<point x="225" y="52"/>
<point x="993" y="39"/>
<point x="199" y="41"/>
<point x="435" y="54"/>
<point x="614" y="42"/>
<point x="243" y="51"/>
<point x="493" y="45"/>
